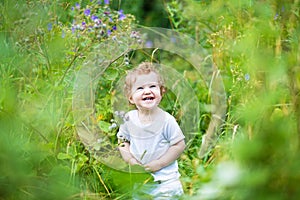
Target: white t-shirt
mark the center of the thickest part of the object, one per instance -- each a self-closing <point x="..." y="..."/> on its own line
<point x="151" y="141"/>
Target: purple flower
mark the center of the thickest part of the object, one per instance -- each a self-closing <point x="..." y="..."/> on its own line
<point x="72" y="8"/>
<point x="87" y="12"/>
<point x="94" y="18"/>
<point x="114" y="28"/>
<point x="149" y="44"/>
<point x="106" y="2"/>
<point x="77" y="5"/>
<point x="49" y="26"/>
<point x="108" y="32"/>
<point x="121" y="15"/>
<point x="83" y="26"/>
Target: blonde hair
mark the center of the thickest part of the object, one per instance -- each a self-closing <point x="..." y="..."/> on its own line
<point x="143" y="68"/>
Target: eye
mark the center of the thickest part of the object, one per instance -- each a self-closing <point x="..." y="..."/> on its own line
<point x="139" y="88"/>
<point x="153" y="86"/>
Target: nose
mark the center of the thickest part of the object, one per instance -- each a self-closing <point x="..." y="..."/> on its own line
<point x="147" y="90"/>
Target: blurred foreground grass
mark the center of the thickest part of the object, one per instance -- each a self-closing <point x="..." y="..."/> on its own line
<point x="255" y="44"/>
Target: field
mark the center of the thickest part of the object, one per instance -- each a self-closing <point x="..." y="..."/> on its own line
<point x="232" y="71"/>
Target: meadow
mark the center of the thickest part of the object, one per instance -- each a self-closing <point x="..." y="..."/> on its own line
<point x="237" y="98"/>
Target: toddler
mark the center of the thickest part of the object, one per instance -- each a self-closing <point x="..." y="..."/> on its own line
<point x="150" y="136"/>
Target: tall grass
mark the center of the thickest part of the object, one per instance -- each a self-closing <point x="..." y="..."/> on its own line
<point x="255" y="44"/>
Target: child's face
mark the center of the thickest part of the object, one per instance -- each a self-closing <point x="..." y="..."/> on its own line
<point x="145" y="92"/>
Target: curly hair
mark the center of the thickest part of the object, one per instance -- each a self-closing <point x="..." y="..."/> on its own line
<point x="143" y="68"/>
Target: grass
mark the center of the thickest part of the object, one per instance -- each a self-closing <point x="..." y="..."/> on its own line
<point x="256" y="153"/>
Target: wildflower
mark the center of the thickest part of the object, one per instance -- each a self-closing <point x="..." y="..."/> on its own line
<point x="119" y="113"/>
<point x="149" y="44"/>
<point x="63" y="34"/>
<point x="94" y="18"/>
<point x="87" y="12"/>
<point x="83" y="26"/>
<point x="114" y="28"/>
<point x="276" y="16"/>
<point x="49" y="26"/>
<point x="121" y="15"/>
<point x="108" y="32"/>
<point x="106" y="2"/>
<point x="112" y="126"/>
<point x="78" y="27"/>
<point x="100" y="117"/>
<point x="122" y="115"/>
<point x="247" y="77"/>
<point x="133" y="34"/>
<point x="96" y="26"/>
<point x="77" y="5"/>
<point x="90" y="29"/>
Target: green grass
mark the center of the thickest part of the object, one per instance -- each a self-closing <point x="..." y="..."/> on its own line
<point x="254" y="44"/>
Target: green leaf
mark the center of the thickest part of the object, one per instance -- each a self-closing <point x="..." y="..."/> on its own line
<point x="104" y="126"/>
<point x="63" y="156"/>
<point x="111" y="74"/>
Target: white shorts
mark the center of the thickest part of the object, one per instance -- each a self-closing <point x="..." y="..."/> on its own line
<point x="170" y="189"/>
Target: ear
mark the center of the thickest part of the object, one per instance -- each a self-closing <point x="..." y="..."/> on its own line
<point x="163" y="90"/>
<point x="131" y="100"/>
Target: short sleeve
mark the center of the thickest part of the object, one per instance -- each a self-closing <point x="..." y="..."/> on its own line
<point x="172" y="131"/>
<point x="123" y="133"/>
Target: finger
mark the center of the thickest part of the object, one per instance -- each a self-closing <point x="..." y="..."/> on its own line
<point x="147" y="169"/>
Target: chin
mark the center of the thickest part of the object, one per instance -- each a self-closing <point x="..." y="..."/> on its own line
<point x="149" y="107"/>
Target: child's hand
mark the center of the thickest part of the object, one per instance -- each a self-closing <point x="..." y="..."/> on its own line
<point x="133" y="161"/>
<point x="153" y="166"/>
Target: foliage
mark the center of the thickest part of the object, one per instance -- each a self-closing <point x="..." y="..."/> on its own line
<point x="39" y="56"/>
<point x="255" y="44"/>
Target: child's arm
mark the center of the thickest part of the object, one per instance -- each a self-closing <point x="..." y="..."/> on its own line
<point x="126" y="155"/>
<point x="170" y="156"/>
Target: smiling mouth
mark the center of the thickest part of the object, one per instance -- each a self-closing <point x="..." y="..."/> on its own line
<point x="148" y="98"/>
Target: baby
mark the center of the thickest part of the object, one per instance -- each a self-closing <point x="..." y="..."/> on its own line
<point x="150" y="136"/>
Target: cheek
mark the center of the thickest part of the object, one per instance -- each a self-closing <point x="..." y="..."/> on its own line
<point x="158" y="95"/>
<point x="158" y="92"/>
